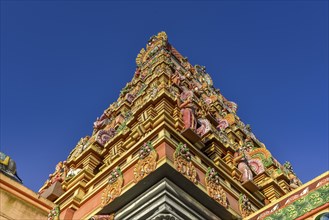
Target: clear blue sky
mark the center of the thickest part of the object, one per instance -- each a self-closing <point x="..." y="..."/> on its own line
<point x="63" y="63"/>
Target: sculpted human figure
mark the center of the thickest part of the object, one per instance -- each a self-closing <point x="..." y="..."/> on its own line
<point x="242" y="157"/>
<point x="206" y="99"/>
<point x="294" y="182"/>
<point x="248" y="144"/>
<point x="81" y="146"/>
<point x="100" y="122"/>
<point x="176" y="77"/>
<point x="60" y="173"/>
<point x="187" y="109"/>
<point x="222" y="122"/>
<point x="204" y="128"/>
<point x="58" y="176"/>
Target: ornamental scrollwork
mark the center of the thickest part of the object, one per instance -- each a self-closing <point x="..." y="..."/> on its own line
<point x="183" y="162"/>
<point x="113" y="189"/>
<point x="245" y="206"/>
<point x="146" y="163"/>
<point x="299" y="207"/>
<point x="214" y="189"/>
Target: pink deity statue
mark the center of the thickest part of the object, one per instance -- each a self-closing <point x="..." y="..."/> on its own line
<point x="100" y="122"/>
<point x="204" y="128"/>
<point x="187" y="109"/>
<point x="242" y="158"/>
<point x="222" y="124"/>
<point x="176" y="77"/>
<point x="58" y="176"/>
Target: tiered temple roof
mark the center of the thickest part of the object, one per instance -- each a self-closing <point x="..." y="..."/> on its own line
<point x="169" y="128"/>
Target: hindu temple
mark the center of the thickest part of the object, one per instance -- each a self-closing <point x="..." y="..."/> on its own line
<point x="173" y="147"/>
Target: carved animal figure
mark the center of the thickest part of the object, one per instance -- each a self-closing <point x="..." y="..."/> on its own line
<point x="8" y="166"/>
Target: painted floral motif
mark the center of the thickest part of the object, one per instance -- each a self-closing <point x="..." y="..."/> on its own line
<point x="146" y="163"/>
<point x="214" y="188"/>
<point x="183" y="163"/>
<point x="301" y="206"/>
<point x="145" y="150"/>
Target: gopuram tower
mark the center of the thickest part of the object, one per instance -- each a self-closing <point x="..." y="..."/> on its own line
<point x="171" y="147"/>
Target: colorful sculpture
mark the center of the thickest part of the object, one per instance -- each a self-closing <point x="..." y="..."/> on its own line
<point x="245" y="206"/>
<point x="113" y="189"/>
<point x="187" y="109"/>
<point x="294" y="181"/>
<point x="146" y="163"/>
<point x="214" y="189"/>
<point x="100" y="123"/>
<point x="204" y="128"/>
<point x="166" y="76"/>
<point x="242" y="158"/>
<point x="8" y="166"/>
<point x="54" y="213"/>
<point x="72" y="172"/>
<point x="58" y="176"/>
<point x="183" y="162"/>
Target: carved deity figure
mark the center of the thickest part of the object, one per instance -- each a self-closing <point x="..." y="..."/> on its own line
<point x="81" y="146"/>
<point x="204" y="128"/>
<point x="100" y="123"/>
<point x="226" y="119"/>
<point x="206" y="99"/>
<point x="187" y="109"/>
<point x="294" y="181"/>
<point x="60" y="172"/>
<point x="242" y="158"/>
<point x="176" y="78"/>
<point x="58" y="176"/>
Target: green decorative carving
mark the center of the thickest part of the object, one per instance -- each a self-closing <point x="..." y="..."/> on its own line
<point x="114" y="175"/>
<point x="183" y="151"/>
<point x="303" y="205"/>
<point x="267" y="162"/>
<point x="54" y="213"/>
